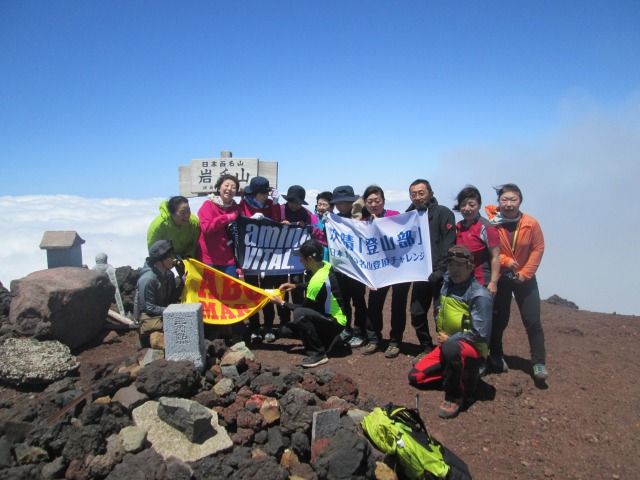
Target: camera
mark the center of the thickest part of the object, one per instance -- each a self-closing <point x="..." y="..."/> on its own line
<point x="510" y="275"/>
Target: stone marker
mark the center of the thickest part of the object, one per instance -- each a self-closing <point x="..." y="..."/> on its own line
<point x="184" y="334"/>
<point x="325" y="424"/>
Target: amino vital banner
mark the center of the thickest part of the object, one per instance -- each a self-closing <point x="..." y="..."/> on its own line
<point x="225" y="300"/>
<point x="265" y="246"/>
<point x="381" y="252"/>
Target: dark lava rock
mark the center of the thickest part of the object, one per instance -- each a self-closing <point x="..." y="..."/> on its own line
<point x="166" y="378"/>
<point x="147" y="464"/>
<point x="561" y="302"/>
<point x="260" y="468"/>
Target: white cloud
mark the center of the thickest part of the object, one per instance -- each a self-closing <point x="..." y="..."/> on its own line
<point x="579" y="181"/>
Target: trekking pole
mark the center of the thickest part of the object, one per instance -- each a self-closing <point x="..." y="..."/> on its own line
<point x="417" y="401"/>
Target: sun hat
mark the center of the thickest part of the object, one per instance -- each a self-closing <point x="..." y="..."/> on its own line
<point x="257" y="185"/>
<point x="344" y="194"/>
<point x="296" y="194"/>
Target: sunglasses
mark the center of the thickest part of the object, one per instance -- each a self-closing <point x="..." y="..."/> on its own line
<point x="459" y="255"/>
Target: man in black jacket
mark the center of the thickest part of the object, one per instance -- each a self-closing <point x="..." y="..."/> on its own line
<point x="442" y="229"/>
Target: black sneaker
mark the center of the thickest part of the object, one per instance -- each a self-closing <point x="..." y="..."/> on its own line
<point x="314" y="361"/>
<point x="256" y="338"/>
<point x="497" y="364"/>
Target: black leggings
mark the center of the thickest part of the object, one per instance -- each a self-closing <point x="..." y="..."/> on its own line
<point x="528" y="300"/>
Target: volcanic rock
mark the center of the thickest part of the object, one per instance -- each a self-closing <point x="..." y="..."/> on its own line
<point x="68" y="304"/>
<point x="25" y="360"/>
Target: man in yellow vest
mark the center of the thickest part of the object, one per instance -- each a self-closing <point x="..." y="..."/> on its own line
<point x="320" y="318"/>
<point x="463" y="322"/>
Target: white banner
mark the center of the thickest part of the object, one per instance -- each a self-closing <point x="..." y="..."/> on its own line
<point x="385" y="251"/>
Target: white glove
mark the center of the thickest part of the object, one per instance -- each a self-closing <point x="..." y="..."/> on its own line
<point x="325" y="217"/>
<point x="275" y="195"/>
<point x="257" y="216"/>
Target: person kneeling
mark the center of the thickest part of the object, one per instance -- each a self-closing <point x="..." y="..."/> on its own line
<point x="463" y="320"/>
<point x="156" y="290"/>
<point x="320" y="318"/>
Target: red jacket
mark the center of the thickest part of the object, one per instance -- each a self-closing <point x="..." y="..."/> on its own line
<point x="529" y="245"/>
<point x="269" y="210"/>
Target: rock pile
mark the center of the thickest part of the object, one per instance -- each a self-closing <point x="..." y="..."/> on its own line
<point x="165" y="420"/>
<point x="561" y="302"/>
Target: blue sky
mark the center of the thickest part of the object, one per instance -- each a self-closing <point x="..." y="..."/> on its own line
<point x="102" y="101"/>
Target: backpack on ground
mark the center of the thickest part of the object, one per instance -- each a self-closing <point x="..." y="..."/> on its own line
<point x="400" y="432"/>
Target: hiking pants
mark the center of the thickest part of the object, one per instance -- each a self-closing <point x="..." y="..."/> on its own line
<point x="528" y="300"/>
<point x="456" y="362"/>
<point x="398" y="313"/>
<point x="268" y="311"/>
<point x="422" y="295"/>
<point x="353" y="291"/>
<point x="316" y="330"/>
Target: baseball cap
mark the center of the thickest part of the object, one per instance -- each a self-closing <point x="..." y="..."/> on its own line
<point x="311" y="248"/>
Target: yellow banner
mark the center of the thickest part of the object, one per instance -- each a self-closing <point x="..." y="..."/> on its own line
<point x="225" y="300"/>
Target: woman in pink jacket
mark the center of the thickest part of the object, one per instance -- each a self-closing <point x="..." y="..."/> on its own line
<point x="216" y="213"/>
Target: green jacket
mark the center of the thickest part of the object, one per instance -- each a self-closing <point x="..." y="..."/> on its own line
<point x="464" y="312"/>
<point x="185" y="239"/>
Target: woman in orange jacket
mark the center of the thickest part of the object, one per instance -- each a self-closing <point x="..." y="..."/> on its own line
<point x="521" y="249"/>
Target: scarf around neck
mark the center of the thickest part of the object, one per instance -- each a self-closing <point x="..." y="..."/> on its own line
<point x="499" y="219"/>
<point x="219" y="202"/>
<point x="253" y="202"/>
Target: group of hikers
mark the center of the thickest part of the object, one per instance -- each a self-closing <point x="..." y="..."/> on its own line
<point x="479" y="265"/>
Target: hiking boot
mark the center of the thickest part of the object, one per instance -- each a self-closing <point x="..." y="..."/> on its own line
<point x="345" y="335"/>
<point x="422" y="354"/>
<point x="448" y="409"/>
<point x="370" y="348"/>
<point x="392" y="351"/>
<point x="497" y="364"/>
<point x="269" y="337"/>
<point x="356" y="342"/>
<point x="314" y="361"/>
<point x="540" y="372"/>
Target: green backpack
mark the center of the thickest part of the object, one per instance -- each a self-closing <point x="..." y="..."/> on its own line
<point x="400" y="432"/>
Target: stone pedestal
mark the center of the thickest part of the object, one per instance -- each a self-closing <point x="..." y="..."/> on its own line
<point x="184" y="333"/>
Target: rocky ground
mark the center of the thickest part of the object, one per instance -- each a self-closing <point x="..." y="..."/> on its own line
<point x="584" y="423"/>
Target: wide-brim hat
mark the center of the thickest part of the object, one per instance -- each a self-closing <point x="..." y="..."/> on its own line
<point x="257" y="185"/>
<point x="296" y="194"/>
<point x="344" y="194"/>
